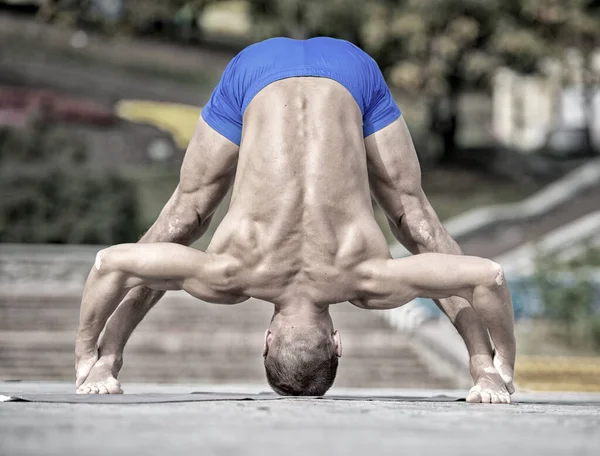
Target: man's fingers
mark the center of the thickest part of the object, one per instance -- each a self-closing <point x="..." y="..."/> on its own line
<point x="486" y="397"/>
<point x="84" y="390"/>
<point x="510" y="386"/>
<point x="102" y="389"/>
<point x="114" y="387"/>
<point x="81" y="376"/>
<point x="83" y="366"/>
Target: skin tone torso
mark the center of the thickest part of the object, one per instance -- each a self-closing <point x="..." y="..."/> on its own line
<point x="301" y="218"/>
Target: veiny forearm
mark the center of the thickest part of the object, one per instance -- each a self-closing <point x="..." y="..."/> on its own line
<point x="420" y="231"/>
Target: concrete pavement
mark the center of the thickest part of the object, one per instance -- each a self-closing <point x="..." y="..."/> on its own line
<point x="545" y="424"/>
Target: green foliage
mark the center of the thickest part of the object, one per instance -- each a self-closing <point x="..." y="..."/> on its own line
<point x="307" y="18"/>
<point x="433" y="49"/>
<point x="48" y="194"/>
<point x="568" y="299"/>
<point x="135" y="15"/>
<point x="437" y="49"/>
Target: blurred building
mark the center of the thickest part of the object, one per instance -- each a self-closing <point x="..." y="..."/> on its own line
<point x="548" y="110"/>
<point x="111" y="138"/>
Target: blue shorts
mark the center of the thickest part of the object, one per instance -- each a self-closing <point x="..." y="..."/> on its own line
<point x="268" y="61"/>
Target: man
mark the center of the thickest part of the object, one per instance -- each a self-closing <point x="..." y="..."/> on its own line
<point x="306" y="127"/>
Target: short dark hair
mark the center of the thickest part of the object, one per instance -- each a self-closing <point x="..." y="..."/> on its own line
<point x="301" y="363"/>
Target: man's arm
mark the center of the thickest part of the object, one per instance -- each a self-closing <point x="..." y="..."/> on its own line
<point x="395" y="179"/>
<point x="386" y="284"/>
<point x="206" y="175"/>
<point x="159" y="266"/>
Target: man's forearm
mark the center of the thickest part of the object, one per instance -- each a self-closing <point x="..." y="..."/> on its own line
<point x="420" y="233"/>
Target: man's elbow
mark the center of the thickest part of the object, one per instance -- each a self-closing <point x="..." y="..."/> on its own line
<point x="424" y="230"/>
<point x="111" y="260"/>
<point x="184" y="217"/>
<point x="180" y="221"/>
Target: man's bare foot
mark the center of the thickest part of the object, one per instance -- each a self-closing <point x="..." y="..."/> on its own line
<point x="102" y="378"/>
<point x="489" y="385"/>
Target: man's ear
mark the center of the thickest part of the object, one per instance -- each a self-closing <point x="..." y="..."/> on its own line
<point x="268" y="337"/>
<point x="337" y="340"/>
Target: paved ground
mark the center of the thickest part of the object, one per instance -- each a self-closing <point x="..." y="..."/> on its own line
<point x="299" y="427"/>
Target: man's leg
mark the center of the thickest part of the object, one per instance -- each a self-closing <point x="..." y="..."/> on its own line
<point x="206" y="175"/>
<point x="479" y="281"/>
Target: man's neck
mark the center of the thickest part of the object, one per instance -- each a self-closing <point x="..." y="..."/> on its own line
<point x="301" y="310"/>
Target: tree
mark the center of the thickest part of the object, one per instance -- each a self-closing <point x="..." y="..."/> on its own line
<point x="303" y="19"/>
<point x="572" y="29"/>
<point x="127" y="16"/>
<point x="48" y="194"/>
<point x="440" y="48"/>
<point x="434" y="48"/>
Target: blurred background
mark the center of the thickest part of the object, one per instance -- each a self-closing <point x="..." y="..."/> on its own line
<point x="98" y="100"/>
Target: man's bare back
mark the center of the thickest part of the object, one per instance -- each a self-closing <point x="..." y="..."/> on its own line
<point x="301" y="218"/>
<point x="299" y="233"/>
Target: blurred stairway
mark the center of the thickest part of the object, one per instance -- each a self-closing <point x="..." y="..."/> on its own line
<point x="185" y="340"/>
<point x="502" y="237"/>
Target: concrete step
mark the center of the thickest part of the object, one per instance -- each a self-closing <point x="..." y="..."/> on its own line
<point x="183" y="314"/>
<point x="505" y="236"/>
<point x="404" y="361"/>
<point x="131" y="374"/>
<point x="361" y="345"/>
<point x="139" y="368"/>
<point x="185" y="340"/>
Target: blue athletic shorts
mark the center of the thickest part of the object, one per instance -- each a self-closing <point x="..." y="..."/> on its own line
<point x="268" y="61"/>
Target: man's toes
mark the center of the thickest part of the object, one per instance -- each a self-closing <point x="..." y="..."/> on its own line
<point x="474" y="396"/>
<point x="94" y="389"/>
<point x="495" y="398"/>
<point x="102" y="389"/>
<point x="510" y="386"/>
<point x="83" y="389"/>
<point x="486" y="397"/>
<point x="114" y="387"/>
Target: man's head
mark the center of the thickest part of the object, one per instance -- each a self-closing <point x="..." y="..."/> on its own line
<point x="301" y="357"/>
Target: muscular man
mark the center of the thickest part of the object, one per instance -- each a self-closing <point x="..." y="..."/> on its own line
<point x="306" y="127"/>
